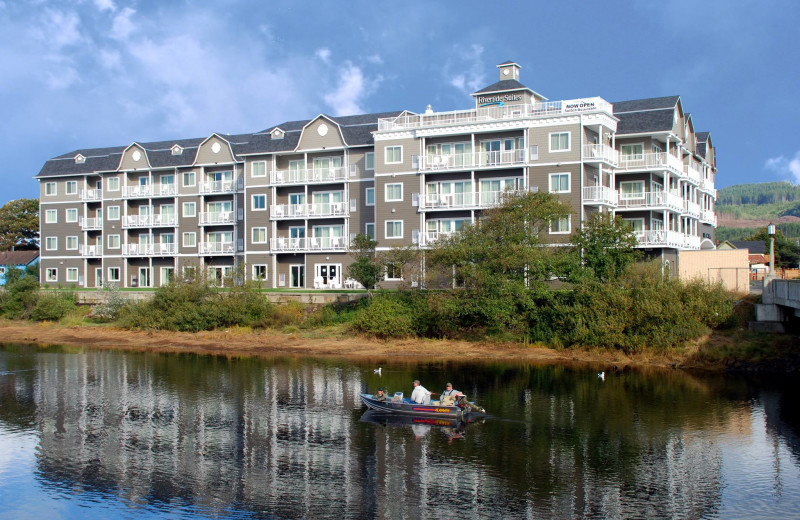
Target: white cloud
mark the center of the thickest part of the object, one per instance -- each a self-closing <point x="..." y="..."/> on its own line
<point x="60" y="28"/>
<point x="324" y="54"/>
<point x="123" y="25"/>
<point x="105" y="5"/>
<point x="473" y="77"/>
<point x="352" y="87"/>
<point x="785" y="166"/>
<point x="375" y="59"/>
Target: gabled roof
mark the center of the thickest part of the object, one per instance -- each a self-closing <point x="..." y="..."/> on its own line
<point x="502" y="86"/>
<point x="18" y="257"/>
<point x="639" y="105"/>
<point x="509" y="62"/>
<point x="757" y="247"/>
<point x="642" y="122"/>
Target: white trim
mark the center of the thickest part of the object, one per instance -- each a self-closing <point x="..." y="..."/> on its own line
<point x="550" y="182"/>
<point x="112" y="279"/>
<point x="569" y="226"/>
<point x="67" y="240"/>
<point x="252" y="169"/>
<point x="560" y="150"/>
<point x="253" y="235"/>
<point x="108" y="183"/>
<point x="187" y="234"/>
<point x="253" y="201"/>
<point x="186" y="214"/>
<point x="109" y="216"/>
<point x="386" y="154"/>
<point x="386" y="192"/>
<point x="48" y="219"/>
<point x="66" y="215"/>
<point x="47" y="277"/>
<point x="386" y="230"/>
<point x="194" y="178"/>
<point x="118" y="240"/>
<point x="52" y="184"/>
<point x="47" y="241"/>
<point x="74" y="270"/>
<point x="366" y="196"/>
<point x="366" y="163"/>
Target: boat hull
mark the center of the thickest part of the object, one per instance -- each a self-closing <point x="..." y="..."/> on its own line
<point x="406" y="407"/>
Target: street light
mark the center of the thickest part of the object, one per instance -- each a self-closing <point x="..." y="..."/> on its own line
<point x="771" y="233"/>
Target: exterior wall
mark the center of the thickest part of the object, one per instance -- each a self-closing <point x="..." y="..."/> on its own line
<point x="134" y="158"/>
<point x="207" y="155"/>
<point x="311" y="139"/>
<point x="729" y="267"/>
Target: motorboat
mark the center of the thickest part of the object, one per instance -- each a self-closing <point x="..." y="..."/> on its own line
<point x="398" y="404"/>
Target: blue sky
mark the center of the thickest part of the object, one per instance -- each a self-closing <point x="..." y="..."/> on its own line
<point x="94" y="73"/>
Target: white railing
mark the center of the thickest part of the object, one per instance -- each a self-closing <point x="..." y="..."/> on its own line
<point x="165" y="190"/>
<point x="138" y="249"/>
<point x="693" y="174"/>
<point x="600" y="195"/>
<point x="652" y="160"/>
<point x="331" y="209"/>
<point x="216" y="217"/>
<point x="692" y="242"/>
<point x="600" y="152"/>
<point x="708" y="186"/>
<point x="218" y="186"/>
<point x="165" y="249"/>
<point x="164" y="220"/>
<point x="216" y="248"/>
<point x="137" y="191"/>
<point x="429" y="237"/>
<point x="91" y="223"/>
<point x="650" y="199"/>
<point x="310" y="175"/>
<point x="92" y="250"/>
<point x="660" y="238"/>
<point x="691" y="208"/>
<point x="137" y="221"/>
<point x="308" y="244"/>
<point x="449" y="200"/>
<point x="91" y="194"/>
<point x="495" y="112"/>
<point x="708" y="216"/>
<point x="481" y="159"/>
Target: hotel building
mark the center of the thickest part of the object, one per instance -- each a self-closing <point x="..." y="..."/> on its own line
<point x="285" y="201"/>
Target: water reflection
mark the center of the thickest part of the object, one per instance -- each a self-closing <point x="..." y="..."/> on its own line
<point x="189" y="435"/>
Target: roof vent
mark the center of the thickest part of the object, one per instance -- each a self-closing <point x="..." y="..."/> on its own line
<point x="277" y="133"/>
<point x="176" y="150"/>
<point x="80" y="159"/>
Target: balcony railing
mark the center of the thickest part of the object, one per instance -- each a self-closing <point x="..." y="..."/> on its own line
<point x="429" y="237"/>
<point x="138" y="191"/>
<point x="468" y="200"/>
<point x="91" y="250"/>
<point x="218" y="186"/>
<point x="649" y="161"/>
<point x="132" y="221"/>
<point x="91" y="194"/>
<point x="600" y="153"/>
<point x="482" y="159"/>
<point x="693" y="174"/>
<point x="286" y="244"/>
<point x="708" y="186"/>
<point x="165" y="190"/>
<point x="660" y="238"/>
<point x="88" y="224"/>
<point x="310" y="175"/>
<point x="691" y="208"/>
<point x="289" y="211"/>
<point x="216" y="248"/>
<point x="692" y="242"/>
<point x="601" y="195"/>
<point x="708" y="216"/>
<point x="495" y="113"/>
<point x="650" y="200"/>
<point x="216" y="217"/>
<point x="138" y="249"/>
<point x="165" y="248"/>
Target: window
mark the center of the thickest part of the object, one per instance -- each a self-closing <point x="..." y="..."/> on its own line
<point x="51" y="243"/>
<point x="190" y="239"/>
<point x="51" y="274"/>
<point x="113" y="213"/>
<point x="189" y="209"/>
<point x="51" y="216"/>
<point x="370" y="196"/>
<point x="113" y="241"/>
<point x="72" y="215"/>
<point x="259" y="202"/>
<point x="369" y="161"/>
<point x="394" y="192"/>
<point x="560" y="225"/>
<point x="559" y="183"/>
<point x="259" y="235"/>
<point x="369" y="230"/>
<point x="394" y="154"/>
<point x="259" y="272"/>
<point x="50" y="188"/>
<point x="632" y="152"/>
<point x="72" y="243"/>
<point x="259" y="169"/>
<point x="72" y="274"/>
<point x="188" y="179"/>
<point x="72" y="188"/>
<point x="113" y="274"/>
<point x="113" y="184"/>
<point x="394" y="229"/>
<point x="559" y="142"/>
<point x="631" y="190"/>
<point x="394" y="271"/>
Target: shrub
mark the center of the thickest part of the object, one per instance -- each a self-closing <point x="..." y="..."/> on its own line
<point x="53" y="307"/>
<point x="386" y="316"/>
<point x="289" y="313"/>
<point x="112" y="307"/>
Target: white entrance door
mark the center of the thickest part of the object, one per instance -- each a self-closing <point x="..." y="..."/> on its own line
<point x="327" y="276"/>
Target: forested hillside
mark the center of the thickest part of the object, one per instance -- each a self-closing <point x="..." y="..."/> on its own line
<point x="744" y="209"/>
<point x="760" y="193"/>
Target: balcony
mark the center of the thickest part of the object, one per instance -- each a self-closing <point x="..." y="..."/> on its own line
<point x="427" y="238"/>
<point x="218" y="186"/>
<point x="475" y="160"/>
<point x="691" y="208"/>
<point x="600" y="196"/>
<point x="309" y="176"/>
<point x="138" y="249"/>
<point x="138" y="221"/>
<point x="495" y="113"/>
<point x="217" y="218"/>
<point x="290" y="245"/>
<point x="693" y="174"/>
<point x="600" y="153"/>
<point x="660" y="238"/>
<point x="137" y="192"/>
<point x="165" y="190"/>
<point x="216" y="248"/>
<point x="162" y="249"/>
<point x="298" y="211"/>
<point x="650" y="161"/>
<point x="90" y="224"/>
<point x="468" y="200"/>
<point x="708" y="216"/>
<point x="707" y="185"/>
<point x="650" y="200"/>
<point x="92" y="194"/>
<point x="91" y="250"/>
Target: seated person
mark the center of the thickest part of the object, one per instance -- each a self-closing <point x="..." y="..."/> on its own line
<point x="380" y="395"/>
<point x="449" y="395"/>
<point x="420" y="395"/>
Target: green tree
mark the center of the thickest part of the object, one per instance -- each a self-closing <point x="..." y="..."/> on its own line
<point x="19" y="224"/>
<point x="366" y="269"/>
<point x="787" y="253"/>
<point x="607" y="245"/>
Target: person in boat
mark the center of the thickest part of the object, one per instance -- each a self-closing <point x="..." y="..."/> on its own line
<point x="449" y="395"/>
<point x="420" y="395"/>
<point x="380" y="395"/>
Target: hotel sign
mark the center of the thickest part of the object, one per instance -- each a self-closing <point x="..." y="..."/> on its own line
<point x="499" y="99"/>
<point x="579" y="105"/>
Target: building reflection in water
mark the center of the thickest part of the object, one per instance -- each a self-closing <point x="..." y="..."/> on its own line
<point x="283" y="438"/>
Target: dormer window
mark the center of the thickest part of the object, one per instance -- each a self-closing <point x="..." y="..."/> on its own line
<point x="80" y="159"/>
<point x="176" y="150"/>
<point x="277" y="133"/>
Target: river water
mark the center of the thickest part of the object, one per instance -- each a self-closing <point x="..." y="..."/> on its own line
<point x="96" y="434"/>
